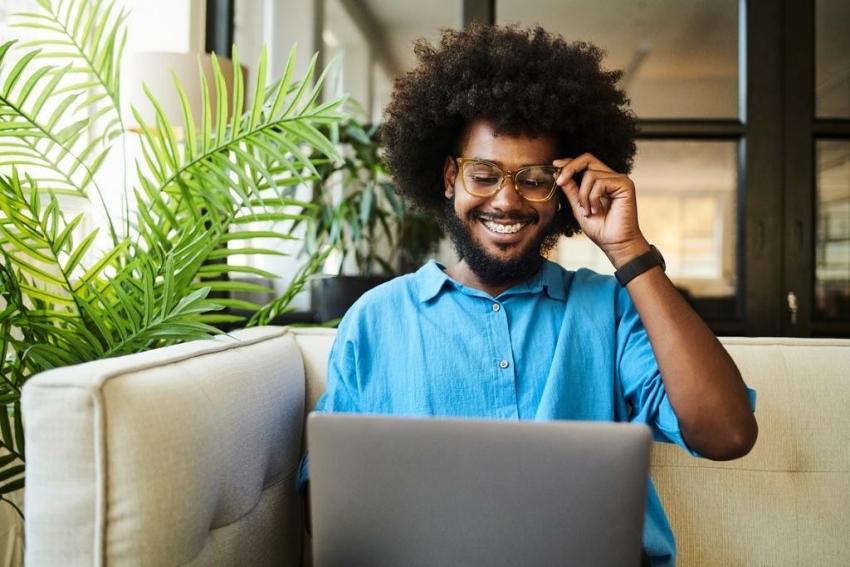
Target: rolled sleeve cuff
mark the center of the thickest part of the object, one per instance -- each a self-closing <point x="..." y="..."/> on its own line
<point x="751" y="394"/>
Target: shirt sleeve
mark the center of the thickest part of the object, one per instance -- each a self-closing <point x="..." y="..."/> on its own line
<point x="342" y="378"/>
<point x="640" y="378"/>
<point x="340" y="394"/>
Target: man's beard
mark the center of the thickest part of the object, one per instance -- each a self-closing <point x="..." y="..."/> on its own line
<point x="491" y="270"/>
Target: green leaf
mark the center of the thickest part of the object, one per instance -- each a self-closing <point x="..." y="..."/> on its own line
<point x="237" y="304"/>
<point x="188" y="119"/>
<point x="13" y="486"/>
<point x="63" y="241"/>
<point x="193" y="303"/>
<point x="19" y="431"/>
<point x="206" y="114"/>
<point x="236" y="286"/>
<point x="6" y="460"/>
<point x="30" y="85"/>
<point x="99" y="314"/>
<point x="106" y="260"/>
<point x="260" y="83"/>
<point x="79" y="252"/>
<point x="213" y="270"/>
<point x="249" y="234"/>
<point x="283" y="84"/>
<point x="10" y="472"/>
<point x="44" y="295"/>
<point x="6" y="428"/>
<point x="226" y="252"/>
<point x="16" y="73"/>
<point x="366" y="207"/>
<point x="5" y="48"/>
<point x="22" y="221"/>
<point x="239" y="88"/>
<point x="37" y="272"/>
<point x="59" y="113"/>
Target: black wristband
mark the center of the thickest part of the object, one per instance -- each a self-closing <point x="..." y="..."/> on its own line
<point x="636" y="266"/>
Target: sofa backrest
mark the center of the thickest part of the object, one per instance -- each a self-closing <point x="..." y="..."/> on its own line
<point x="788" y="501"/>
<point x="178" y="456"/>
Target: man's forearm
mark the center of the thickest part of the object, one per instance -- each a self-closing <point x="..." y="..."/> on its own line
<point x="702" y="381"/>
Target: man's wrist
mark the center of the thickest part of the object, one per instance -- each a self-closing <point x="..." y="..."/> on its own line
<point x="639" y="265"/>
<point x="622" y="254"/>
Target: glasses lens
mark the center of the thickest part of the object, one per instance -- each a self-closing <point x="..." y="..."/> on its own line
<point x="536" y="183"/>
<point x="481" y="178"/>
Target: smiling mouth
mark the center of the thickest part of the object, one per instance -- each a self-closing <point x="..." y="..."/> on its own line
<point x="504" y="228"/>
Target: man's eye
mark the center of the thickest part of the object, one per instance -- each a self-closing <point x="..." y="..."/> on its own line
<point x="531" y="184"/>
<point x="484" y="179"/>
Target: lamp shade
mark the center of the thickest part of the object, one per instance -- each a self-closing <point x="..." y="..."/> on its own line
<point x="154" y="70"/>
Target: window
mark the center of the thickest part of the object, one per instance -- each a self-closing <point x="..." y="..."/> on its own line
<point x="761" y="90"/>
<point x="681" y="73"/>
<point x="832" y="248"/>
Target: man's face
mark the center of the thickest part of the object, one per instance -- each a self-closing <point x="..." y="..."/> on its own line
<point x="502" y="237"/>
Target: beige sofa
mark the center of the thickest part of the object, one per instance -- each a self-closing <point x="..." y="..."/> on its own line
<point x="187" y="455"/>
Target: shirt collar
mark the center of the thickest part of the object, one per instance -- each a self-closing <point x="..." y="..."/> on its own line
<point x="432" y="280"/>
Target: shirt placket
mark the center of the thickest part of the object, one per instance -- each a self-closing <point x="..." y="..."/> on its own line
<point x="502" y="359"/>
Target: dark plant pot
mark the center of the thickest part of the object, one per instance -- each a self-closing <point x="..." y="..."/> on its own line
<point x="332" y="297"/>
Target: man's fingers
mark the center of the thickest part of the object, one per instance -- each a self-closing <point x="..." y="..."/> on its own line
<point x="599" y="189"/>
<point x="595" y="192"/>
<point x="571" y="190"/>
<point x="591" y="169"/>
<point x="585" y="161"/>
<point x="598" y="183"/>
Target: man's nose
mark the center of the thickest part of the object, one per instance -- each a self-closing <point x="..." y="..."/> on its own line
<point x="507" y="199"/>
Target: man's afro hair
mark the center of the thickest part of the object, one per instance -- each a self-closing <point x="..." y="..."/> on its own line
<point x="524" y="81"/>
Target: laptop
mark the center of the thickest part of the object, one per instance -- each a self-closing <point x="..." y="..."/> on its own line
<point x="405" y="492"/>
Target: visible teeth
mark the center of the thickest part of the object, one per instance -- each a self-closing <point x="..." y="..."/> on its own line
<point x="504" y="228"/>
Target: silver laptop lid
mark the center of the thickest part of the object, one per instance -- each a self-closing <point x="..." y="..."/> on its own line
<point x="392" y="491"/>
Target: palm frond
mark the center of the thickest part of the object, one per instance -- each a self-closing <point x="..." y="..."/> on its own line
<point x="281" y="305"/>
<point x="92" y="34"/>
<point x="74" y="98"/>
<point x="229" y="175"/>
<point x="229" y="189"/>
<point x="239" y="159"/>
<point x="30" y="234"/>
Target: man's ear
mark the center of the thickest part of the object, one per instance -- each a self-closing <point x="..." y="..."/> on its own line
<point x="449" y="176"/>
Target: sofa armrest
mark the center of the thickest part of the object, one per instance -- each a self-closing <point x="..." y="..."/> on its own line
<point x="180" y="455"/>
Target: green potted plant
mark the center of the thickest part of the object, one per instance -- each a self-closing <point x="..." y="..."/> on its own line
<point x="143" y="279"/>
<point x="367" y="229"/>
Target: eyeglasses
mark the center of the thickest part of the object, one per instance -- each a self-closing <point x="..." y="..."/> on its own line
<point x="482" y="178"/>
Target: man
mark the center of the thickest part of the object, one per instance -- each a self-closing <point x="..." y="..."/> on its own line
<point x="512" y="138"/>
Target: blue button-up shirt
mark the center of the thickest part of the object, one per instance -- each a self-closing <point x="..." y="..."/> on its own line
<point x="562" y="345"/>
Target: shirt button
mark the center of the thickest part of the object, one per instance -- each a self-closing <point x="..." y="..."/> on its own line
<point x="503" y="364"/>
<point x="496" y="307"/>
